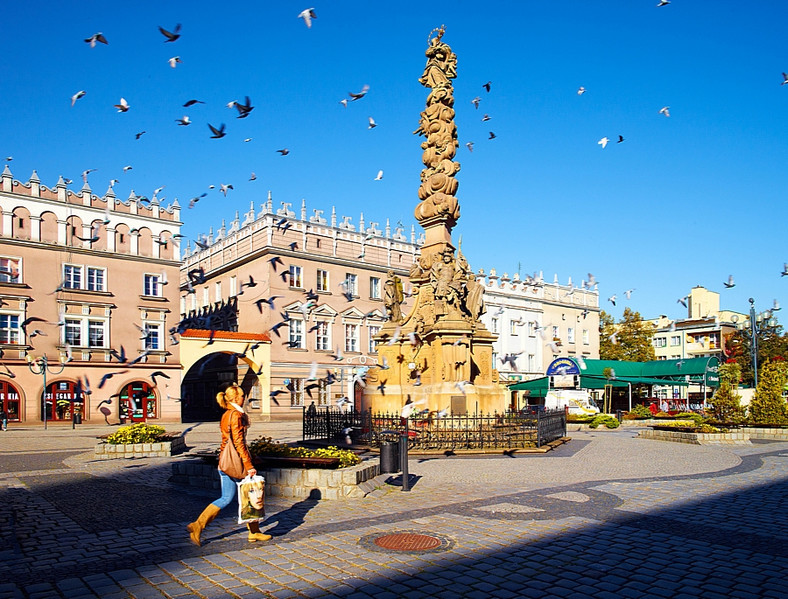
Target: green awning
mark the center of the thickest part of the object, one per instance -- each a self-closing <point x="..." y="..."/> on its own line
<point x="536" y="387"/>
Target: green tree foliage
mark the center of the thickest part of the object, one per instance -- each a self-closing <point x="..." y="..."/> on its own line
<point x="630" y="339"/>
<point x="769" y="406"/>
<point x="725" y="403"/>
<point x="772" y="345"/>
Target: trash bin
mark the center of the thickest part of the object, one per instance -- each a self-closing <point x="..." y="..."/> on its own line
<point x="389" y="458"/>
<point x="77" y="418"/>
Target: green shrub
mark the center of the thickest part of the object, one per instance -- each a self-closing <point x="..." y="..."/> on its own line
<point x="266" y="446"/>
<point x="696" y="418"/>
<point x="136" y="433"/>
<point x="641" y="411"/>
<point x="605" y="420"/>
<point x="580" y="418"/>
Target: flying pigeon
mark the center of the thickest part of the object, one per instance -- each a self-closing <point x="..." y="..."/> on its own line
<point x="184" y="121"/>
<point x="372" y="123"/>
<point x="612" y="299"/>
<point x="665" y="110"/>
<point x="174" y="61"/>
<point x="469" y="145"/>
<point x="379" y="176"/>
<point x="487" y="86"/>
<point x="284" y="151"/>
<point x="476" y="101"/>
<point x="785" y="79"/>
<point x="307" y="14"/>
<point x="581" y="90"/>
<point x="603" y="142"/>
<point x="217" y="133"/>
<point x="96" y="37"/>
<point x="77" y="96"/>
<point x="359" y="95"/>
<point x="122" y="106"/>
<point x="171" y="36"/>
<point x="729" y="283"/>
<point x="192" y="103"/>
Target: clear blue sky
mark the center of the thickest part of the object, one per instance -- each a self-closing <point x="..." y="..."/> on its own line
<point x="683" y="201"/>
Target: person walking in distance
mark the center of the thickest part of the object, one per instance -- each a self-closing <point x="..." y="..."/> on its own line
<point x="3" y="418"/>
<point x="233" y="427"/>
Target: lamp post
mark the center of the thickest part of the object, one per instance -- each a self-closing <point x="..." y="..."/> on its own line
<point x="41" y="366"/>
<point x="758" y="323"/>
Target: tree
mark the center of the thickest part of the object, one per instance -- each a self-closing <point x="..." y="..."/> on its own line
<point x="630" y="339"/>
<point x="725" y="403"/>
<point x="769" y="406"/>
<point x="772" y="345"/>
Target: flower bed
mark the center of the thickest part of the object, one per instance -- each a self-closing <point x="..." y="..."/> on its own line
<point x="139" y="441"/>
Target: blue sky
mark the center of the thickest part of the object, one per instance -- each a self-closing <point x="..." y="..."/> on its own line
<point x="685" y="200"/>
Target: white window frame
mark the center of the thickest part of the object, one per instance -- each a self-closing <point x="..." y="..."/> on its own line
<point x="151" y="285"/>
<point x="323" y="335"/>
<point x="11" y="334"/>
<point x="217" y="291"/>
<point x="514" y="328"/>
<point x="296" y="282"/>
<point x="82" y="326"/>
<point x="373" y="330"/>
<point x="493" y="325"/>
<point x="206" y="296"/>
<point x="556" y="332"/>
<point x="351" y="284"/>
<point x="95" y="278"/>
<point x="296" y="334"/>
<point x="73" y="276"/>
<point x="351" y="336"/>
<point x="7" y="269"/>
<point x="374" y="288"/>
<point x="675" y="340"/>
<point x="233" y="286"/>
<point x="154" y="331"/>
<point x="323" y="280"/>
<point x="586" y="337"/>
<point x="570" y="334"/>
<point x="297" y="392"/>
<point x="531" y="331"/>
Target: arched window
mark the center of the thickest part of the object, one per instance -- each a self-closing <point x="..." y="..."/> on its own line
<point x="20" y="225"/>
<point x="48" y="227"/>
<point x="138" y="402"/>
<point x="9" y="401"/>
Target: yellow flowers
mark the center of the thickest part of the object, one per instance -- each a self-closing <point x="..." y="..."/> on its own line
<point x="136" y="433"/>
<point x="266" y="446"/>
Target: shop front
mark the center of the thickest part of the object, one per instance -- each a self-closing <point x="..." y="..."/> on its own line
<point x="138" y="402"/>
<point x="64" y="400"/>
<point x="9" y="401"/>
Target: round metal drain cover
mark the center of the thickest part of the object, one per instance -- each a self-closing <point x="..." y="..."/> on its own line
<point x="407" y="541"/>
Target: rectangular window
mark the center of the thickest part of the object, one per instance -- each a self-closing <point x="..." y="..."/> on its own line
<point x="96" y="330"/>
<point x="494" y="325"/>
<point x="323" y="336"/>
<point x="296" y="387"/>
<point x="152" y="285"/>
<point x="531" y="332"/>
<point x="296" y="333"/>
<point x="72" y="332"/>
<point x="351" y="337"/>
<point x="586" y="337"/>
<point x="206" y="296"/>
<point x="233" y="286"/>
<point x="9" y="328"/>
<point x="295" y="276"/>
<point x="153" y="336"/>
<point x="373" y="346"/>
<point x="570" y="335"/>
<point x="9" y="270"/>
<point x="351" y="284"/>
<point x="96" y="279"/>
<point x="72" y="276"/>
<point x="217" y="291"/>
<point x="374" y="287"/>
<point x="531" y="362"/>
<point x="660" y="341"/>
<point x="323" y="392"/>
<point x="322" y="280"/>
<point x="556" y="333"/>
<point x="514" y="327"/>
<point x="675" y="340"/>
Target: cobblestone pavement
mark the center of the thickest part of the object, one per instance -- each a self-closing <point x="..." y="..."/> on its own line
<point x="606" y="515"/>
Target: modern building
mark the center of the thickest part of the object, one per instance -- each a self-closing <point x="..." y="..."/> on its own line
<point x="314" y="286"/>
<point x="537" y="321"/>
<point x="84" y="296"/>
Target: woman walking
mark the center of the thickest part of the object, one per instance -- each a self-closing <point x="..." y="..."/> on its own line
<point x="233" y="426"/>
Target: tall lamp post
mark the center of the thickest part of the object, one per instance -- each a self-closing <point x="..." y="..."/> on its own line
<point x="41" y="366"/>
<point x="758" y="323"/>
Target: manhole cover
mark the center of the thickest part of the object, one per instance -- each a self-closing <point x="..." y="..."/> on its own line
<point x="407" y="541"/>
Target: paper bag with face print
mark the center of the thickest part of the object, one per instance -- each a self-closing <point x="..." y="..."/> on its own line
<point x="251" y="499"/>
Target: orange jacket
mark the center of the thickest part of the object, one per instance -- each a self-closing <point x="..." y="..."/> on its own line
<point x="237" y="423"/>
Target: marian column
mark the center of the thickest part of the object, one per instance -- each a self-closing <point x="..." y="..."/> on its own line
<point x="438" y="353"/>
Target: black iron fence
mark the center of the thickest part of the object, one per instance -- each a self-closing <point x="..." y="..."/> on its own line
<point x="430" y="430"/>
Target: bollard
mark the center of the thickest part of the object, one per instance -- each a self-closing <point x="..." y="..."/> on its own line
<point x="403" y="460"/>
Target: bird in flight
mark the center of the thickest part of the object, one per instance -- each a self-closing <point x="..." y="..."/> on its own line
<point x="784" y="273"/>
<point x="581" y="90"/>
<point x="174" y="61"/>
<point x="603" y="142"/>
<point x="171" y="35"/>
<point x="476" y="101"/>
<point x="184" y="121"/>
<point x="252" y="177"/>
<point x="192" y="103"/>
<point x="140" y="134"/>
<point x="663" y="3"/>
<point x="682" y="301"/>
<point x="307" y="14"/>
<point x="729" y="283"/>
<point x="665" y="110"/>
<point x="77" y="96"/>
<point x="628" y="293"/>
<point x="379" y="176"/>
<point x="785" y="79"/>
<point x="372" y="123"/>
<point x="122" y="106"/>
<point x="487" y="86"/>
<point x="492" y="135"/>
<point x="359" y="95"/>
<point x="620" y="139"/>
<point x="284" y="151"/>
<point x="469" y="145"/>
<point x="96" y="37"/>
<point x="217" y="133"/>
<point x="612" y="299"/>
<point x="486" y="118"/>
<point x="243" y="109"/>
<point x="224" y="187"/>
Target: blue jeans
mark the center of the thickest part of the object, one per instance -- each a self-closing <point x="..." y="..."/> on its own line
<point x="228" y="490"/>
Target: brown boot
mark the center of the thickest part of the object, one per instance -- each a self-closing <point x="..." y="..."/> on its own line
<point x="255" y="534"/>
<point x="195" y="528"/>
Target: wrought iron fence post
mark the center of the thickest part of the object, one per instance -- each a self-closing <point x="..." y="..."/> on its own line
<point x="403" y="456"/>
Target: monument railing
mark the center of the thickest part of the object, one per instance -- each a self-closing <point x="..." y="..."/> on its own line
<point x="429" y="430"/>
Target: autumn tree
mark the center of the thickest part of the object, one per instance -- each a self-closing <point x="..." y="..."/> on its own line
<point x="725" y="403"/>
<point x="629" y="339"/>
<point x="772" y="345"/>
<point x="768" y="406"/>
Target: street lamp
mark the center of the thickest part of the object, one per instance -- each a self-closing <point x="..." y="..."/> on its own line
<point x="758" y="323"/>
<point x="41" y="366"/>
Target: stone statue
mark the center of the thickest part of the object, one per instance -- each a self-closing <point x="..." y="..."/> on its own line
<point x="446" y="283"/>
<point x="474" y="291"/>
<point x="393" y="296"/>
<point x="438" y="185"/>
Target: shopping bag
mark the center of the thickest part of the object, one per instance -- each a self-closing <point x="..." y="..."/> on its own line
<point x="251" y="499"/>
